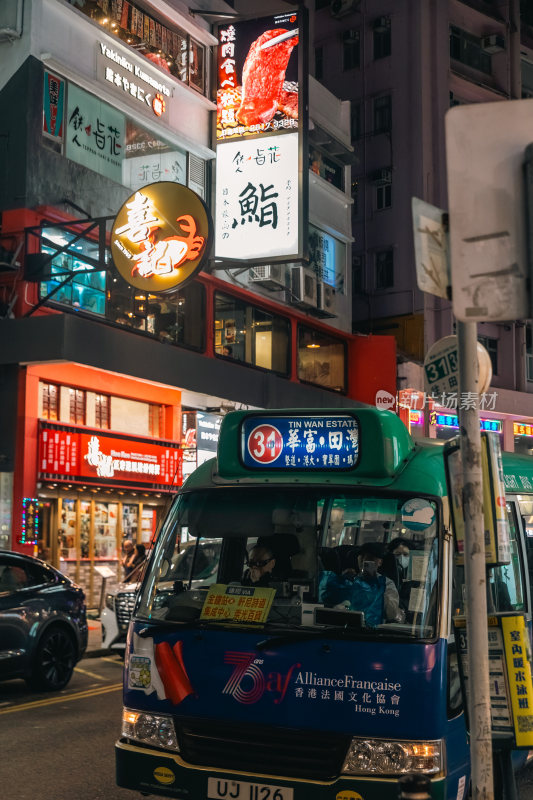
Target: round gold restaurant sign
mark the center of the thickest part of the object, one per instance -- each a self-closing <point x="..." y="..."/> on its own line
<point x="161" y="237"/>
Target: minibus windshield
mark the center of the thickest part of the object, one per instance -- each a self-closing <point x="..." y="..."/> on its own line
<point x="294" y="560"/>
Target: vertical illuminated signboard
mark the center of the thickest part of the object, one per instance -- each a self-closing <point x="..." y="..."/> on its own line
<point x="261" y="131"/>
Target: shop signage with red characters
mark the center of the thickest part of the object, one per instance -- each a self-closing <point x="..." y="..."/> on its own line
<point x="161" y="237"/>
<point x="97" y="457"/>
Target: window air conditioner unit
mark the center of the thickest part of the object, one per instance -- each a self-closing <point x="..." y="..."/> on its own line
<point x="303" y="287"/>
<point x="494" y="43"/>
<point x="326" y="300"/>
<point x="381" y="177"/>
<point x="339" y="8"/>
<point x="271" y="276"/>
<point x="381" y="24"/>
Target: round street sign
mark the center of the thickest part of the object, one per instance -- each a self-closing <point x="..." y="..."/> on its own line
<point x="441" y="367"/>
<point x="161" y="237"/>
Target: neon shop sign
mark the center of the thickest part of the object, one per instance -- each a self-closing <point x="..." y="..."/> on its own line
<point x="107" y="464"/>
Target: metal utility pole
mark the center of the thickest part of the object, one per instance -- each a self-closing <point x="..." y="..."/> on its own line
<point x="475" y="568"/>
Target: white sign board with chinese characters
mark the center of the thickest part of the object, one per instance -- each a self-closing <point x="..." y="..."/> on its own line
<point x="257" y="198"/>
<point x="441" y="367"/>
<point x="485" y="145"/>
<point x="95" y="134"/>
<point x="431" y="249"/>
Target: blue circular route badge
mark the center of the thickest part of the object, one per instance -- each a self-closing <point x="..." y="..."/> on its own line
<point x="265" y="444"/>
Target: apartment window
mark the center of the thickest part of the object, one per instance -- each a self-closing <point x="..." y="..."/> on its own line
<point x="50" y="400"/>
<point x="351" y="50"/>
<point x="383" y="196"/>
<point x="155" y="413"/>
<point x="358" y="273"/>
<point x="319" y="63"/>
<point x="246" y="333"/>
<point x="382" y="37"/>
<point x="529" y="351"/>
<point x="384" y="269"/>
<point x="77" y="406"/>
<point x="355" y="196"/>
<point x="467" y="49"/>
<point x="356" y="128"/>
<point x="382" y="113"/>
<point x="102" y="411"/>
<point x="491" y="346"/>
<point x="321" y="359"/>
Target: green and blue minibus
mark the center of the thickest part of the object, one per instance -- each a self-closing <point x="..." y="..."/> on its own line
<point x="286" y="687"/>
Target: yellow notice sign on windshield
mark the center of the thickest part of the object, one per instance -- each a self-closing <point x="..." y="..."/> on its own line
<point x="237" y="603"/>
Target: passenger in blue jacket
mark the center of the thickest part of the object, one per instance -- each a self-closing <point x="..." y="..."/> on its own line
<point x="363" y="588"/>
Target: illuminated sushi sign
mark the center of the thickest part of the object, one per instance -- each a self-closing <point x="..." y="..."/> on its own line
<point x="161" y="237"/>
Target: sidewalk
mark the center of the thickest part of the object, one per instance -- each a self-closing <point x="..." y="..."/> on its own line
<point x="94" y="644"/>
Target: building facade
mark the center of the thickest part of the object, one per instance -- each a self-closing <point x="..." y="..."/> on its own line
<point x="110" y="395"/>
<point x="402" y="66"/>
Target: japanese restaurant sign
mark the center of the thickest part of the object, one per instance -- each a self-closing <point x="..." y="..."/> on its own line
<point x="258" y="87"/>
<point x="133" y="80"/>
<point x="306" y="442"/>
<point x="261" y="130"/>
<point x="258" y="200"/>
<point x="96" y="456"/>
<point x="95" y="134"/>
<point x="237" y="603"/>
<point x="161" y="237"/>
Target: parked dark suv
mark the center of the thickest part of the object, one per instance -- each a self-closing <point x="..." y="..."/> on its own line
<point x="43" y="623"/>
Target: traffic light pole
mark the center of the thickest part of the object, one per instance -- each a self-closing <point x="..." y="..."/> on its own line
<point x="475" y="568"/>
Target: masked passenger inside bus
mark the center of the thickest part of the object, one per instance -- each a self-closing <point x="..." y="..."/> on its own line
<point x="362" y="587"/>
<point x="261" y="563"/>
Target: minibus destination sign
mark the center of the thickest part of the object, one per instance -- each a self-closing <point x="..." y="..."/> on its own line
<point x="300" y="442"/>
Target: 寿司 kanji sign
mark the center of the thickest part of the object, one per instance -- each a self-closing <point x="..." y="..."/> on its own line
<point x="96" y="456"/>
<point x="161" y="237"/>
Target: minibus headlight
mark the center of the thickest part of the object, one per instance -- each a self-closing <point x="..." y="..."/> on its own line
<point x="382" y="757"/>
<point x="110" y="601"/>
<point x="155" y="729"/>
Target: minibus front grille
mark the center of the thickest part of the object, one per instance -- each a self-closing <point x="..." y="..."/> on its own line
<point x="262" y="749"/>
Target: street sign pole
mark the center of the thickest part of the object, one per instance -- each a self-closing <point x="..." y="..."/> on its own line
<point x="475" y="568"/>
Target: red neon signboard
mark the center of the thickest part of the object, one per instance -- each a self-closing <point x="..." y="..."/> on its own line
<point x="96" y="456"/>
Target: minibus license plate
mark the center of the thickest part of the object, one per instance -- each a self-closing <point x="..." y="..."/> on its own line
<point x="221" y="789"/>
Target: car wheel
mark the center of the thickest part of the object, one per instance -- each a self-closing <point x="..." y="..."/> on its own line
<point x="54" y="661"/>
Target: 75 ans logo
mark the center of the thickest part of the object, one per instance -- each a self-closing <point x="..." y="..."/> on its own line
<point x="248" y="683"/>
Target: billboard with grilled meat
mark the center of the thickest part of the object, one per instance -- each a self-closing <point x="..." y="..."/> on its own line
<point x="258" y="81"/>
<point x="261" y="132"/>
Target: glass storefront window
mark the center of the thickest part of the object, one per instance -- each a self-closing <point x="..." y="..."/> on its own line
<point x="249" y="334"/>
<point x="524" y="445"/>
<point x="321" y="359"/>
<point x="176" y="320"/>
<point x="170" y="49"/>
<point x="86" y="289"/>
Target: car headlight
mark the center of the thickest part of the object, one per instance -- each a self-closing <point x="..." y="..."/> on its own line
<point x="155" y="729"/>
<point x="110" y="601"/>
<point x="383" y="757"/>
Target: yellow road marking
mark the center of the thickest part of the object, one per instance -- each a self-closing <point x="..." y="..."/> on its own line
<point x="62" y="698"/>
<point x="112" y="661"/>
<point x="86" y="672"/>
